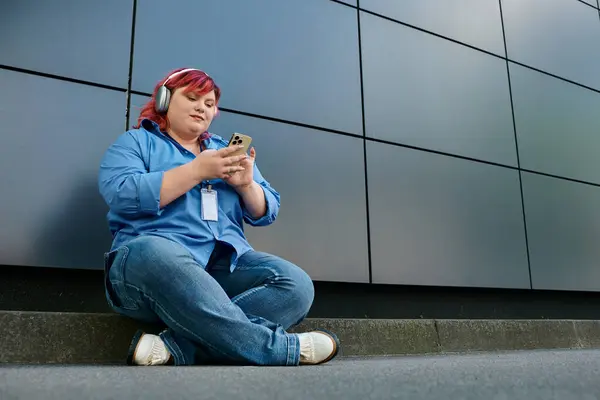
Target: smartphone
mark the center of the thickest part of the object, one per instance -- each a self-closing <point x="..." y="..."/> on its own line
<point x="240" y="139"/>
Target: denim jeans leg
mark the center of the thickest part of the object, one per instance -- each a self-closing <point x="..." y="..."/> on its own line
<point x="153" y="273"/>
<point x="267" y="288"/>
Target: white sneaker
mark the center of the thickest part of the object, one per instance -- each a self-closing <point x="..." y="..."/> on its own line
<point x="147" y="349"/>
<point x="317" y="347"/>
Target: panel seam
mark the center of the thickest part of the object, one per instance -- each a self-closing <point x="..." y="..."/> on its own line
<point x="588" y="4"/>
<point x="340" y="2"/>
<point x="512" y="109"/>
<point x="364" y="141"/>
<point x="130" y="71"/>
<point x="61" y="78"/>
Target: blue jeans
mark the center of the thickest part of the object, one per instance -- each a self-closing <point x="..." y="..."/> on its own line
<point x="212" y="315"/>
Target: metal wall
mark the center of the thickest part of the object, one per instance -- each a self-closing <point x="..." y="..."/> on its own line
<point x="447" y="143"/>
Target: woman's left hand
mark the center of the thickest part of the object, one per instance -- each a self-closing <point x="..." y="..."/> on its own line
<point x="241" y="179"/>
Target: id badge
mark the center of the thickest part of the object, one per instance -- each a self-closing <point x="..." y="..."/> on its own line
<point x="210" y="206"/>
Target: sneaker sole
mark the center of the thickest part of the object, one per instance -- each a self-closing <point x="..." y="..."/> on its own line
<point x="336" y="345"/>
<point x="133" y="346"/>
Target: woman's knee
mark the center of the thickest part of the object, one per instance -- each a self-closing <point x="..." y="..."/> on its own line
<point x="300" y="286"/>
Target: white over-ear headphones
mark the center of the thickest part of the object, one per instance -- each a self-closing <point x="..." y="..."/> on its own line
<point x="163" y="95"/>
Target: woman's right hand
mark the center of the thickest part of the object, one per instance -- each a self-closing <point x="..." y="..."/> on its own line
<point x="215" y="164"/>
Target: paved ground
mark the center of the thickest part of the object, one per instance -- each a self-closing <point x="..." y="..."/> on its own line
<point x="523" y="375"/>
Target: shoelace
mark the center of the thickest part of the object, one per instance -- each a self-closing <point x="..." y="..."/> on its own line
<point x="307" y="349"/>
<point x="157" y="352"/>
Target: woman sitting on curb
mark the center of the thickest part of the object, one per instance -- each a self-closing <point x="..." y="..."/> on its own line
<point x="177" y="201"/>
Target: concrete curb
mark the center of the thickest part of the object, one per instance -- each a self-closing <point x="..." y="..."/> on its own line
<point x="76" y="338"/>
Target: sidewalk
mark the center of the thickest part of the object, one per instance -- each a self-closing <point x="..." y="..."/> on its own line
<point x="524" y="375"/>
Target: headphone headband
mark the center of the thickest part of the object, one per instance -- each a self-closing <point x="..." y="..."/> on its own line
<point x="180" y="72"/>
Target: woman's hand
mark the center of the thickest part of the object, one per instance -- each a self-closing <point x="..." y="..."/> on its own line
<point x="252" y="193"/>
<point x="213" y="164"/>
<point x="244" y="178"/>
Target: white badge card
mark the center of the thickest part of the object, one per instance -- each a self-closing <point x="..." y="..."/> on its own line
<point x="210" y="206"/>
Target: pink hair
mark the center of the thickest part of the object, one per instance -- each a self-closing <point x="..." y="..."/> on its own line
<point x="196" y="81"/>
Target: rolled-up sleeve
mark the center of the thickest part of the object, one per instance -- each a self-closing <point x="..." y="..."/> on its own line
<point x="124" y="181"/>
<point x="272" y="198"/>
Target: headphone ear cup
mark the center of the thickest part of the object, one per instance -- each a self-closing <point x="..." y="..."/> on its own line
<point x="163" y="96"/>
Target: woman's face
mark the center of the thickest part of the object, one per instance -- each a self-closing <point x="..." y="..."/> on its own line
<point x="190" y="114"/>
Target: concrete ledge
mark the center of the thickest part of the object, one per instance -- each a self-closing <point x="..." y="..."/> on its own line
<point x="368" y="337"/>
<point x="495" y="335"/>
<point x="76" y="338"/>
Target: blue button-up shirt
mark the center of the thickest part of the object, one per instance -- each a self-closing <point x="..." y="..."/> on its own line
<point x="130" y="178"/>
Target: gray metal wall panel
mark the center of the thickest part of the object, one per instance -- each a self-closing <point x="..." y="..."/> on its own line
<point x="474" y="22"/>
<point x="292" y="60"/>
<point x="86" y="40"/>
<point x="439" y="220"/>
<point x="556" y="36"/>
<point x="563" y="227"/>
<point x="427" y="92"/>
<point x="322" y="223"/>
<point x="52" y="214"/>
<point x="558" y="125"/>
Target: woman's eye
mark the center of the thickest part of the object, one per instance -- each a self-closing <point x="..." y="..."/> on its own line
<point x="190" y="98"/>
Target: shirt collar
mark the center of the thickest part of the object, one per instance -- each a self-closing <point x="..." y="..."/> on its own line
<point x="150" y="126"/>
<point x="153" y="127"/>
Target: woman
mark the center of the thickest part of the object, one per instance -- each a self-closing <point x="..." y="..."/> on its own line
<point x="178" y="200"/>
